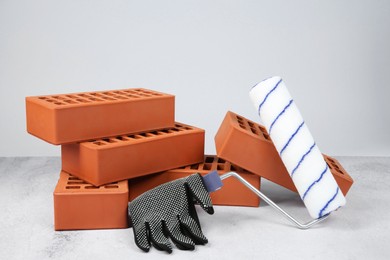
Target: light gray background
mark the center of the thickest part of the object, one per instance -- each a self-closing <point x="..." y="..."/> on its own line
<point x="333" y="55"/>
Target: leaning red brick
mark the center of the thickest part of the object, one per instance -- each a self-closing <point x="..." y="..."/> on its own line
<point x="248" y="145"/>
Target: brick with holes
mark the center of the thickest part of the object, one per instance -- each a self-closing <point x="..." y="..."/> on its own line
<point x="233" y="192"/>
<point x="128" y="156"/>
<point x="79" y="205"/>
<point x="68" y="118"/>
<point x="248" y="145"/>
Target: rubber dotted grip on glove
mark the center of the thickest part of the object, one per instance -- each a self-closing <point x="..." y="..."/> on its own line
<point x="168" y="212"/>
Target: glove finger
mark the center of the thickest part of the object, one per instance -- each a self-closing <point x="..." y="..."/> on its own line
<point x="141" y="237"/>
<point x="199" y="192"/>
<point x="194" y="230"/>
<point x="157" y="237"/>
<point x="181" y="241"/>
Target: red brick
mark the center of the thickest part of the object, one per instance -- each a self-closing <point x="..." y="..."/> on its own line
<point x="128" y="156"/>
<point x="248" y="145"/>
<point x="68" y="118"/>
<point x="233" y="192"/>
<point x="78" y="205"/>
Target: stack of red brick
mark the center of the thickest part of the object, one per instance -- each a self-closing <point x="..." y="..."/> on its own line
<point x="118" y="144"/>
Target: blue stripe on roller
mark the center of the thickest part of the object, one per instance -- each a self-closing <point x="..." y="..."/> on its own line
<point x="327" y="204"/>
<point x="291" y="137"/>
<point x="303" y="158"/>
<point x="281" y="113"/>
<point x="316" y="181"/>
<point x="272" y="90"/>
<point x="261" y="81"/>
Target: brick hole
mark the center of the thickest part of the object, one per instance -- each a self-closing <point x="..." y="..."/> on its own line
<point x="220" y="167"/>
<point x="239" y="118"/>
<point x="82" y="100"/>
<point x="187" y="128"/>
<point x="91" y="187"/>
<point x="165" y="131"/>
<point x="134" y="136"/>
<point x="330" y="160"/>
<point x="132" y="96"/>
<point x="220" y="160"/>
<point x="234" y="168"/>
<point x="209" y="159"/>
<point x="175" y="130"/>
<point x="244" y="171"/>
<point x="99" y="143"/>
<point x="194" y="166"/>
<point x="111" y="186"/>
<point x="44" y="98"/>
<point x="76" y="182"/>
<point x="177" y="125"/>
<point x="155" y="133"/>
<point x="340" y="171"/>
<point x="73" y="178"/>
<point x="120" y="138"/>
<point x="207" y="166"/>
<point x="266" y="136"/>
<point x="143" y="134"/>
<point x="55" y="97"/>
<point x="336" y="166"/>
<point x="242" y="126"/>
<point x="72" y="187"/>
<point x="94" y="99"/>
<point x="108" y="140"/>
<point x="107" y="98"/>
<point x="70" y="101"/>
<point x="120" y="97"/>
<point x="254" y="130"/>
<point x="50" y="100"/>
<point x="58" y="103"/>
<point x="251" y="124"/>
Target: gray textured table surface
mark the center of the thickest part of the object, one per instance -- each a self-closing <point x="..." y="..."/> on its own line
<point x="358" y="231"/>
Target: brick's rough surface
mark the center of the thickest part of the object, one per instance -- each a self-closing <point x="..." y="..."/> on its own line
<point x="79" y="205"/>
<point x="128" y="156"/>
<point x="233" y="192"/>
<point x="68" y="118"/>
<point x="248" y="145"/>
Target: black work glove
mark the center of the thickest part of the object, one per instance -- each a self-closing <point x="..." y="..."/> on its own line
<point x="168" y="211"/>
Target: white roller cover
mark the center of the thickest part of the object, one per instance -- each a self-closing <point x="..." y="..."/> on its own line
<point x="295" y="144"/>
